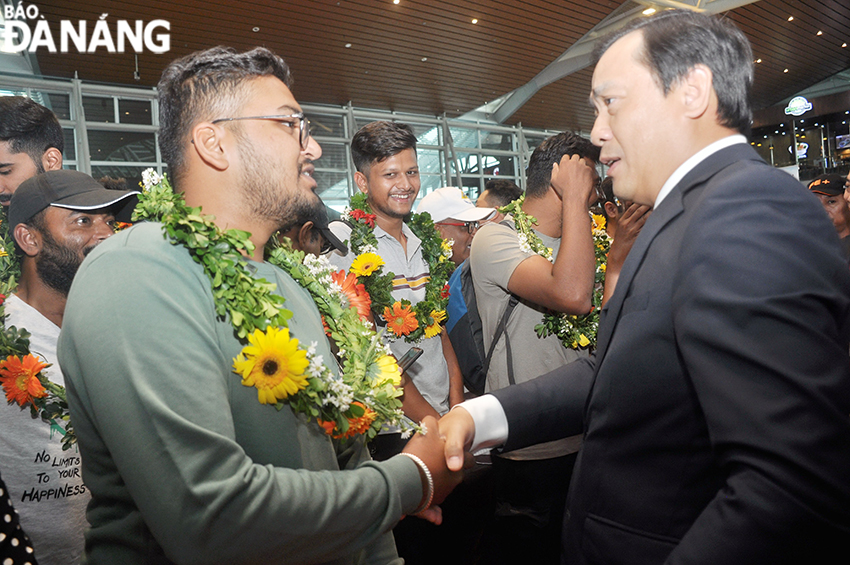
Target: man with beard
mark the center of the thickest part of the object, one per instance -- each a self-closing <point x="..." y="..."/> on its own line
<point x="310" y="233"/>
<point x="31" y="142"/>
<point x="184" y="463"/>
<point x="56" y="219"/>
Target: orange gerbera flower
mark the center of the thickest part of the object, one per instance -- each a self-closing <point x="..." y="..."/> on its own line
<point x="356" y="425"/>
<point x="355" y="293"/>
<point x="20" y="378"/>
<point x="400" y="319"/>
<point x="360" y="424"/>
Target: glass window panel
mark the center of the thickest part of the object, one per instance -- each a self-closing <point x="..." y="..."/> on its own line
<point x="59" y="103"/>
<point x="533" y="141"/>
<point x="132" y="175"/>
<point x="497" y="140"/>
<point x="99" y="109"/>
<point x="430" y="161"/>
<point x="327" y="125"/>
<point x="428" y="134"/>
<point x="122" y="146"/>
<point x="333" y="189"/>
<point x="70" y="152"/>
<point x="69" y="167"/>
<point x="472" y="186"/>
<point x="464" y="137"/>
<point x="135" y="112"/>
<point x="499" y="165"/>
<point x="429" y="183"/>
<point x="468" y="163"/>
<point x="334" y="156"/>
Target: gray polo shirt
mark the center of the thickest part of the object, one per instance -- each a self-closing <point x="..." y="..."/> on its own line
<point x="429" y="373"/>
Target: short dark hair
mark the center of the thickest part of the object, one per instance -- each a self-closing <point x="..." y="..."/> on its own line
<point x="502" y="192"/>
<point x="674" y="41"/>
<point x="207" y="85"/>
<point x="28" y="127"/>
<point x="377" y="141"/>
<point x="539" y="171"/>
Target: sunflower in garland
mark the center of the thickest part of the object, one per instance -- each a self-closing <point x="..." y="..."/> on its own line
<point x="386" y="369"/>
<point x="355" y="294"/>
<point x="19" y="377"/>
<point x="401" y="319"/>
<point x="437" y="317"/>
<point x="273" y="364"/>
<point x="365" y="264"/>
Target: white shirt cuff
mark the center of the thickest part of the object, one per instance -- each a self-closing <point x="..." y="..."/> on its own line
<point x="491" y="424"/>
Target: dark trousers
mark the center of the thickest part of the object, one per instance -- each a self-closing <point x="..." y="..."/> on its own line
<point x="530" y="499"/>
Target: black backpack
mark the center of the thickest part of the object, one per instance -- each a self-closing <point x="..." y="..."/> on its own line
<point x="467" y="335"/>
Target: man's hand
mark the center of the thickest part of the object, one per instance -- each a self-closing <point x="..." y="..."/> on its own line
<point x="574" y="177"/>
<point x="457" y="428"/>
<point x="430" y="448"/>
<point x="630" y="223"/>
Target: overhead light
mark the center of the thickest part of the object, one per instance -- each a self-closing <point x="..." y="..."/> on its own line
<point x="348" y="46"/>
<point x="424" y="59"/>
<point x="785" y="71"/>
<point x="648" y="12"/>
<point x="820" y="32"/>
<point x="790" y="18"/>
<point x="844" y="45"/>
<point x="396" y="1"/>
<point x="475" y="20"/>
<point x="256" y="29"/>
<point x="758" y="60"/>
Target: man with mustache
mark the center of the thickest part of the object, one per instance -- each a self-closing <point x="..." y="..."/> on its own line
<point x="56" y="219"/>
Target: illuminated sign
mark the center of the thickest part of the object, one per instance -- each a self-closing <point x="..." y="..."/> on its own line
<point x="802" y="149"/>
<point x="798" y="106"/>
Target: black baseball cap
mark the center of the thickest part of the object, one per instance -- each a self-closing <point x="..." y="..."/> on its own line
<point x="320" y="222"/>
<point x="67" y="189"/>
<point x="829" y="184"/>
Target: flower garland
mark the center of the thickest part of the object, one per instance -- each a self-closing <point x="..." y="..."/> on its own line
<point x="412" y="321"/>
<point x="359" y="401"/>
<point x="575" y="332"/>
<point x="22" y="375"/>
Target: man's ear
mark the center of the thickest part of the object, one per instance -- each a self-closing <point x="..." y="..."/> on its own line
<point x="208" y="143"/>
<point x="305" y="234"/>
<point x="611" y="210"/>
<point x="362" y="182"/>
<point x="28" y="239"/>
<point x="697" y="91"/>
<point x="51" y="160"/>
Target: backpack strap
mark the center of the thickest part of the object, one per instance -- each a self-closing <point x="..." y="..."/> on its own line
<point x="500" y="329"/>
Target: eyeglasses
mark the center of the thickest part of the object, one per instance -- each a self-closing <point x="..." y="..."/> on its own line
<point x="470" y="226"/>
<point x="283" y="119"/>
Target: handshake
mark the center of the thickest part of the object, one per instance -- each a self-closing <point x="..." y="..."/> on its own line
<point x="442" y="452"/>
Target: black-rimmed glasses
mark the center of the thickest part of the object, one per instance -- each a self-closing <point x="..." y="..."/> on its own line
<point x="285" y="119"/>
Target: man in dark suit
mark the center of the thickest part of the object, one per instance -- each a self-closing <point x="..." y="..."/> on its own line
<point x="715" y="411"/>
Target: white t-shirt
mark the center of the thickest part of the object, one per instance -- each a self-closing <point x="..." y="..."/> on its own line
<point x="44" y="482"/>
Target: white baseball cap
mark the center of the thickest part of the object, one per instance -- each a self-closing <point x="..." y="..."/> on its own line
<point x="451" y="202"/>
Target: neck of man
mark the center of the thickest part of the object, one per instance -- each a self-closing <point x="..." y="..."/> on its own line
<point x="219" y="203"/>
<point x="49" y="302"/>
<point x="547" y="209"/>
<point x="392" y="226"/>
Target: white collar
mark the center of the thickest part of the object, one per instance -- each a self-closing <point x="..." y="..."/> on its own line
<point x="695" y="160"/>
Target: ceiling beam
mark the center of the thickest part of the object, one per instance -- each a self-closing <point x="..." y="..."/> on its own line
<point x="578" y="55"/>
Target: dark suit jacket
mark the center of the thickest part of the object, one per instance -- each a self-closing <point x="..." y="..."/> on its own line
<point x="716" y="428"/>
